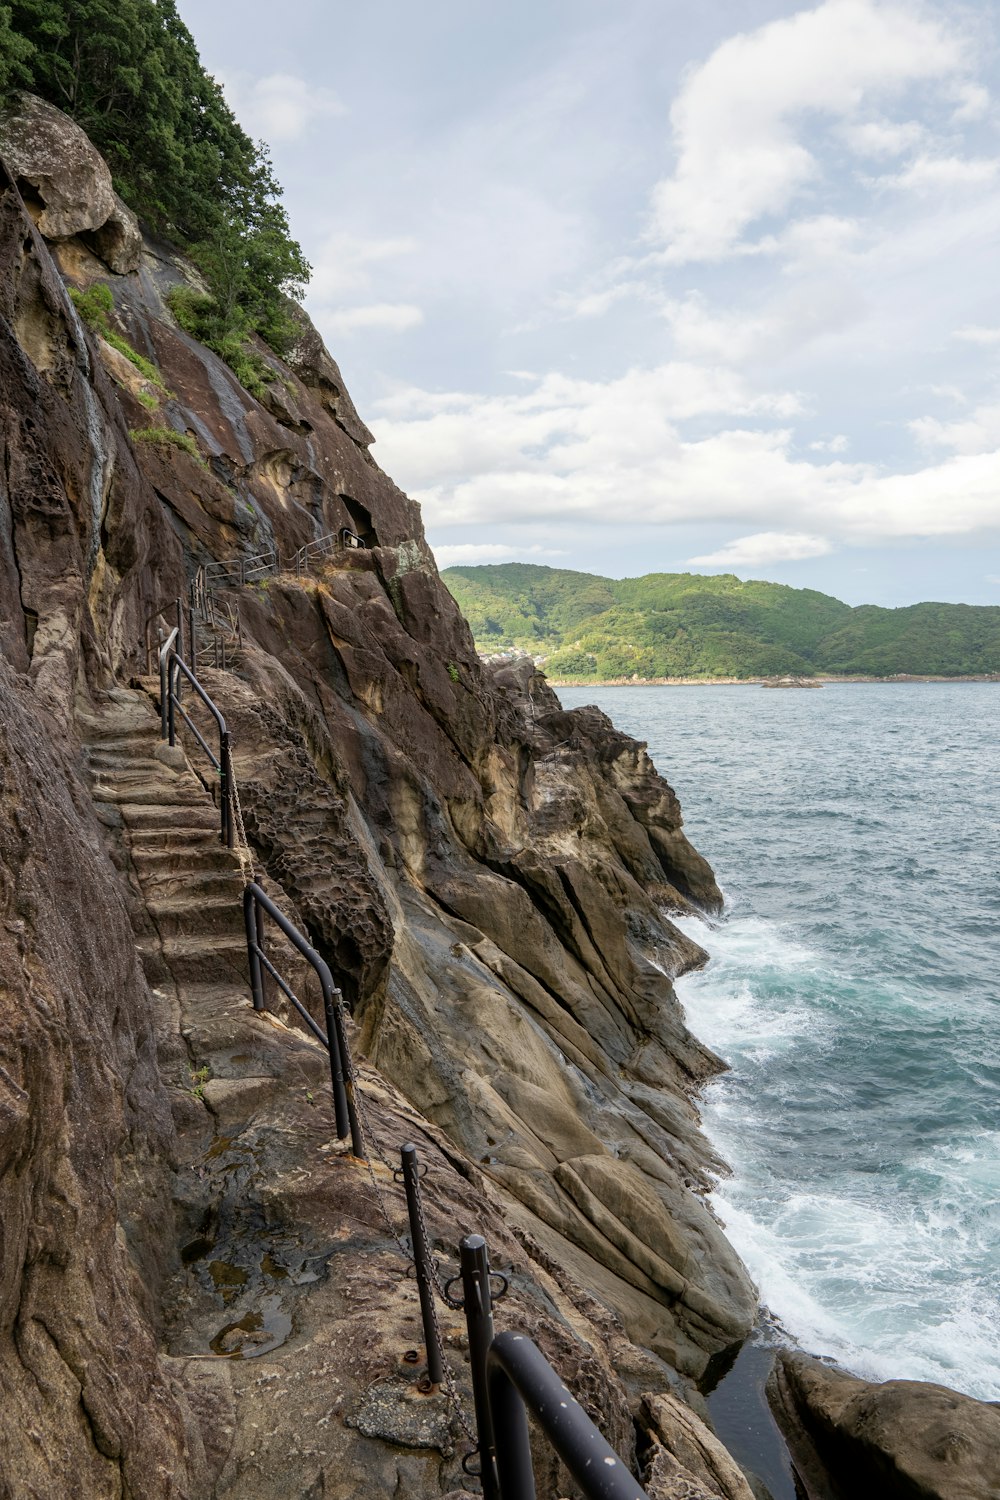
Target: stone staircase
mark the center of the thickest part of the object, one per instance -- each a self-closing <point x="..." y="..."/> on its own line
<point x="266" y="1198"/>
<point x="188" y="917"/>
<point x="222" y="1062"/>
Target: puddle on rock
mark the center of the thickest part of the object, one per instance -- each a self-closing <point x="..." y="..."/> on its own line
<point x="228" y="1279"/>
<point x="256" y="1333"/>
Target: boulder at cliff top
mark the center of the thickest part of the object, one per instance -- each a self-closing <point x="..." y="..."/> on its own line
<point x="57" y="169"/>
<point x="904" y="1440"/>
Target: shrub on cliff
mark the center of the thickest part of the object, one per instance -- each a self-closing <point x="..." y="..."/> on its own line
<point x="95" y="307"/>
<point x="129" y="73"/>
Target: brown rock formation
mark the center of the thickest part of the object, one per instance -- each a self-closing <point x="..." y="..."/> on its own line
<point x="66" y="183"/>
<point x="904" y="1440"/>
<point x="487" y="875"/>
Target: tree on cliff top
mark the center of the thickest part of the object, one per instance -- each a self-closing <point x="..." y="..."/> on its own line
<point x="129" y="73"/>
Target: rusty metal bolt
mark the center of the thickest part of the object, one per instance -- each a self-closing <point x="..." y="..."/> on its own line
<point x="425" y="1385"/>
<point x="412" y="1356"/>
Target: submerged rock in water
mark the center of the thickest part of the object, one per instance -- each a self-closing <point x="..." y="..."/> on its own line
<point x="901" y="1440"/>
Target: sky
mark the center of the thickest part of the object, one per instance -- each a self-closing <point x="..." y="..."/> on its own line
<point x="640" y="285"/>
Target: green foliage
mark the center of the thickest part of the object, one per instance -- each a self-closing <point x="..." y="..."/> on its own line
<point x="453" y="672"/>
<point x="686" y="625"/>
<point x="15" y="56"/>
<point x="95" y="306"/>
<point x="199" y="1078"/>
<point x="149" y="402"/>
<point x="167" y="437"/>
<point x="228" y="335"/>
<point x="129" y="73"/>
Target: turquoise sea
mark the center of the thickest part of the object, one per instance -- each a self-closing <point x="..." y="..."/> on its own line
<point x="854" y="990"/>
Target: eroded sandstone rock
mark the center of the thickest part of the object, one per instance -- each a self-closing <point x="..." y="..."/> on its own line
<point x="901" y="1440"/>
<point x="67" y="183"/>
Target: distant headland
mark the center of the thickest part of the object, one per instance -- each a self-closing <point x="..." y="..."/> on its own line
<point x="686" y="628"/>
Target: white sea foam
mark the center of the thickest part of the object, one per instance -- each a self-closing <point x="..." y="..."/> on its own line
<point x="894" y="1270"/>
<point x="853" y="990"/>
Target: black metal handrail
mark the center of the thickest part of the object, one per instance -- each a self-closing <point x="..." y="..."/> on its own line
<point x="518" y="1376"/>
<point x="176" y="608"/>
<point x="509" y="1374"/>
<point x="172" y="668"/>
<point x="256" y="902"/>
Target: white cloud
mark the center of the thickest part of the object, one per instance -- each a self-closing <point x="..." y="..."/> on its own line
<point x="345" y="264"/>
<point x="562" y="425"/>
<point x="619" y="452"/>
<point x="803" y="311"/>
<point x="735" y="119"/>
<point x="448" y="555"/>
<point x="974" y="103"/>
<point x="387" y="317"/>
<point x="884" y="137"/>
<point x="838" y="444"/>
<point x="280" y="106"/>
<point x="763" y="548"/>
<point x="596" y="304"/>
<point x="976" y="334"/>
<point x="977" y="433"/>
<point x="934" y="174"/>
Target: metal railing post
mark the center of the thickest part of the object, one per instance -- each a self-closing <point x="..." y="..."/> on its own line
<point x="343" y="1086"/>
<point x="515" y="1471"/>
<point x="334" y="1038"/>
<point x="260" y="944"/>
<point x="226" y="788"/>
<point x="421" y="1261"/>
<point x="251" y="919"/>
<point x="164" y="690"/>
<point x="475" y="1263"/>
<point x="172" y="676"/>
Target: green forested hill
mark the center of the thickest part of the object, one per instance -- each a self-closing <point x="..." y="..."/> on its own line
<point x="687" y="625"/>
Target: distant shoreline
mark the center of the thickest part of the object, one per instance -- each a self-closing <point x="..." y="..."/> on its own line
<point x="899" y="678"/>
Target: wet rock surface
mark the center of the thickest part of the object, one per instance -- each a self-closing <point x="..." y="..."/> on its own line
<point x="904" y="1439"/>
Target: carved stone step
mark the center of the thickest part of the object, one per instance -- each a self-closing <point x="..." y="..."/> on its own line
<point x="193" y="915"/>
<point x="208" y="957"/>
<point x="157" y="818"/>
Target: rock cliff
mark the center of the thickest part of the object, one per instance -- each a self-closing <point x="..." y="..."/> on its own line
<point x="905" y="1440"/>
<point x="199" y="1294"/>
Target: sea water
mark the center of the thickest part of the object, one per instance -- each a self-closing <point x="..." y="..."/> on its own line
<point x="854" y="990"/>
